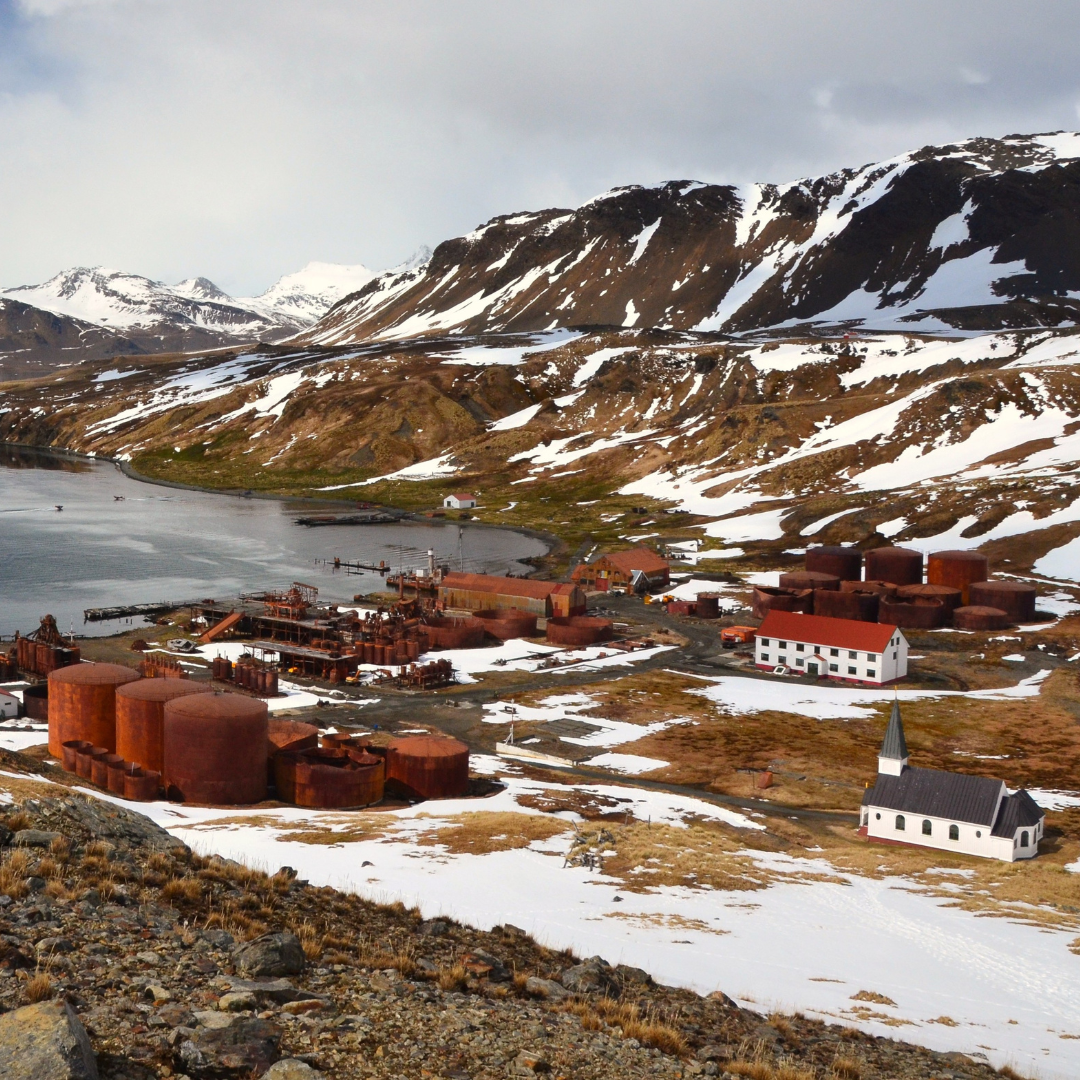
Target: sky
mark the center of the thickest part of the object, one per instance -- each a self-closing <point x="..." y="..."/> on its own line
<point x="240" y="139"/>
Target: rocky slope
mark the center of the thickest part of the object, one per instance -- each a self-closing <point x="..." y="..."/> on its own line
<point x="977" y="235"/>
<point x="176" y="965"/>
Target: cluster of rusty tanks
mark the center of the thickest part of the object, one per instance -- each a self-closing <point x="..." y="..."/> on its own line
<point x="886" y="585"/>
<point x="139" y="737"/>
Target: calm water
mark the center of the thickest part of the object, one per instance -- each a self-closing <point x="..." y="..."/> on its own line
<point x="163" y="544"/>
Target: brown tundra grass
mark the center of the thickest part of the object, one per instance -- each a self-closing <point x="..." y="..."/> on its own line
<point x="39" y="988"/>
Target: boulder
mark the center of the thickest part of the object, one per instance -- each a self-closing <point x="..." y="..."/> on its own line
<point x="592" y="976"/>
<point x="246" y="1046"/>
<point x="45" y="1042"/>
<point x="546" y="988"/>
<point x="271" y="954"/>
<point x="35" y="838"/>
<point x="291" y="1069"/>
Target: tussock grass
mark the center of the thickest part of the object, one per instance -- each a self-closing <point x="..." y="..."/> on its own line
<point x="39" y="988"/>
<point x="452" y="977"/>
<point x="482" y="832"/>
<point x="649" y="1028"/>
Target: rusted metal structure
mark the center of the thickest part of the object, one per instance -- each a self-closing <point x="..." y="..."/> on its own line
<point x="978" y="617"/>
<point x="83" y="758"/>
<point x="474" y="592"/>
<point x="116" y="766"/>
<point x="878" y="588"/>
<point x="507" y="623"/>
<point x="330" y="778"/>
<point x="957" y="569"/>
<point x="425" y="676"/>
<point x="453" y="633"/>
<point x="843" y="563"/>
<point x="901" y="566"/>
<point x="835" y="604"/>
<point x="1015" y="598"/>
<point x="82" y="704"/>
<point x="69" y="751"/>
<point x="768" y="599"/>
<point x="98" y="765"/>
<point x="428" y="766"/>
<point x="579" y="630"/>
<point x="708" y="605"/>
<point x="919" y="613"/>
<point x="45" y="649"/>
<point x="140" y="718"/>
<point x="36" y="701"/>
<point x="162" y="667"/>
<point x="141" y="785"/>
<point x="216" y="748"/>
<point x="809" y="579"/>
<point x="948" y="596"/>
<point x="291" y="735"/>
<point x="682" y="607"/>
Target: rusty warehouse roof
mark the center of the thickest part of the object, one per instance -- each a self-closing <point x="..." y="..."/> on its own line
<point x="536" y="590"/>
<point x="641" y="558"/>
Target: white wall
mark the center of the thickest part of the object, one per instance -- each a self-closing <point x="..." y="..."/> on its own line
<point x="884" y="666"/>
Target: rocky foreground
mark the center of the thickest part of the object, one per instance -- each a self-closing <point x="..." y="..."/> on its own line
<point x="124" y="955"/>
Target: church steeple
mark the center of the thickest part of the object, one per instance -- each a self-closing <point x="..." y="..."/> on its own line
<point x="893" y="756"/>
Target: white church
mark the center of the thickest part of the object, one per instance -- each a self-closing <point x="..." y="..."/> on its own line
<point x="949" y="811"/>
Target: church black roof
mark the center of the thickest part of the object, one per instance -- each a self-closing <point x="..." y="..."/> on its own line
<point x="1018" y="811"/>
<point x="894" y="745"/>
<point x="934" y="793"/>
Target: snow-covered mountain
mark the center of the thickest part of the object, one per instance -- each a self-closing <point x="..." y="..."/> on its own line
<point x="983" y="234"/>
<point x="151" y="316"/>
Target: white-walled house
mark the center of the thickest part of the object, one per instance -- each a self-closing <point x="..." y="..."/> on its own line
<point x="845" y="649"/>
<point x="931" y="808"/>
<point x="460" y="500"/>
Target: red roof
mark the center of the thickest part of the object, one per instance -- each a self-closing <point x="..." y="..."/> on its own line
<point x="819" y="630"/>
<point x="641" y="558"/>
<point x="461" y="496"/>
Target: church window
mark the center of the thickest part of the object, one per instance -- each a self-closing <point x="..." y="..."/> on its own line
<point x="954" y="832"/>
<point x="1024" y="839"/>
<point x="927" y="827"/>
<point x="900" y="821"/>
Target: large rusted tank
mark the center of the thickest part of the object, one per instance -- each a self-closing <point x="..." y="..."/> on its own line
<point x="579" y="630"/>
<point x="948" y="596"/>
<point x="453" y="633"/>
<point x="1015" y="598"/>
<point x="768" y="599"/>
<point x="843" y="563"/>
<point x="428" y="766"/>
<point x="140" y="719"/>
<point x="36" y="701"/>
<point x="288" y="736"/>
<point x="507" y="623"/>
<point x="877" y="588"/>
<point x="141" y="785"/>
<point x="978" y="617"/>
<point x="216" y="748"/>
<point x="682" y="607"/>
<point x="708" y="605"/>
<point x="957" y="569"/>
<point x="327" y="779"/>
<point x="82" y="704"/>
<point x="901" y="566"/>
<point x="919" y="613"/>
<point x="809" y="579"/>
<point x="833" y="604"/>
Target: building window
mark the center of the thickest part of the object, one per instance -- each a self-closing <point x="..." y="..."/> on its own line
<point x="871" y="657"/>
<point x="1024" y="839"/>
<point x="782" y="644"/>
<point x="834" y="652"/>
<point x="852" y="671"/>
<point x="927" y="828"/>
<point x="798" y="661"/>
<point x="799" y="647"/>
<point x="834" y="667"/>
<point x="978" y="834"/>
<point x="877" y="816"/>
<point x="954" y="832"/>
<point x="764" y="658"/>
<point x="871" y="673"/>
<point x="853" y="656"/>
<point x="765" y="641"/>
<point x="894" y="654"/>
<point x="781" y="659"/>
<point x="900" y="822"/>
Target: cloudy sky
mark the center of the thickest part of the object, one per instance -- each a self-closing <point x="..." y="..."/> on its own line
<point x="240" y="139"/>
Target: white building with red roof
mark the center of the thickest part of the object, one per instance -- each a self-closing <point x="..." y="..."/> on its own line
<point x="459" y="500"/>
<point x="847" y="649"/>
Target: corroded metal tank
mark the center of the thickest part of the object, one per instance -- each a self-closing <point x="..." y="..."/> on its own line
<point x="919" y="613"/>
<point x="141" y="785"/>
<point x="1013" y="597"/>
<point x="878" y="588"/>
<point x="809" y="579"/>
<point x="682" y="607"/>
<point x="841" y="562"/>
<point x="140" y="718"/>
<point x="70" y="750"/>
<point x="327" y="778"/>
<point x="768" y="599"/>
<point x="288" y="736"/>
<point x="216" y="748"/>
<point x="450" y="633"/>
<point x="948" y="596"/>
<point x="708" y="605"/>
<point x="834" y="604"/>
<point x="901" y="566"/>
<point x="428" y="766"/>
<point x="958" y="569"/>
<point x="507" y="623"/>
<point x="82" y="704"/>
<point x="978" y="617"/>
<point x="579" y="630"/>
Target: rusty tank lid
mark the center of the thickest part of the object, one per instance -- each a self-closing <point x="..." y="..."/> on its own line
<point x="959" y="556"/>
<point x="217" y="706"/>
<point x="94" y="674"/>
<point x="997" y="585"/>
<point x="428" y="746"/>
<point x="159" y="689"/>
<point x="980" y="609"/>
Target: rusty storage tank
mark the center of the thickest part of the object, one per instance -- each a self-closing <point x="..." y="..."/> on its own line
<point x="507" y="623"/>
<point x="809" y="579"/>
<point x="833" y="604"/>
<point x="682" y="607"/>
<point x="84" y="759"/>
<point x="950" y="597"/>
<point x="901" y="566"/>
<point x="114" y="778"/>
<point x="216" y="748"/>
<point x="768" y="599"/>
<point x="919" y="613"/>
<point x="70" y="750"/>
<point x="36" y="701"/>
<point x="841" y="562"/>
<point x="141" y="785"/>
<point x="82" y="704"/>
<point x="330" y="779"/>
<point x="978" y="617"/>
<point x="98" y="765"/>
<point x="579" y="630"/>
<point x="877" y="588"/>
<point x="957" y="569"/>
<point x="708" y="605"/>
<point x="288" y="736"/>
<point x="428" y="766"/>
<point x="1015" y="598"/>
<point x="454" y="633"/>
<point x="140" y="718"/>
